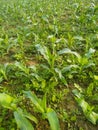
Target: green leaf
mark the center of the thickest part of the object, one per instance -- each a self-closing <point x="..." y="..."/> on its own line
<point x="21" y="121"/>
<point x="87" y="109"/>
<point x="3" y="69"/>
<point x="69" y="68"/>
<point x="94" y="97"/>
<point x="96" y="77"/>
<point x="44" y="102"/>
<point x="62" y="78"/>
<point x="80" y="38"/>
<point x="68" y="51"/>
<point x="78" y="87"/>
<point x="22" y="67"/>
<point x="90" y="52"/>
<point x="34" y="100"/>
<point x="93" y="117"/>
<point x="90" y="89"/>
<point x="43" y="50"/>
<point x="53" y="120"/>
<point x="84" y="105"/>
<point x="31" y="117"/>
<point x="7" y="101"/>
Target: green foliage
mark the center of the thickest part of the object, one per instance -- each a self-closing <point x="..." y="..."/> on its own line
<point x="53" y="120"/>
<point x="68" y="51"/>
<point x="21" y="117"/>
<point x="87" y="109"/>
<point x="48" y="112"/>
<point x="35" y="101"/>
<point x="22" y="122"/>
<point x="7" y="101"/>
<point x="47" y="48"/>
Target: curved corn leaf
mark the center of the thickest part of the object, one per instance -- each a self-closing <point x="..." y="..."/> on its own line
<point x="43" y="50"/>
<point x="34" y="100"/>
<point x="21" y="121"/>
<point x="86" y="108"/>
<point x="53" y="120"/>
<point x="31" y="117"/>
<point x="22" y="67"/>
<point x="59" y="72"/>
<point x="68" y="51"/>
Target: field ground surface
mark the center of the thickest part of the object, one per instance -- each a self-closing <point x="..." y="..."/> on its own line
<point x="49" y="64"/>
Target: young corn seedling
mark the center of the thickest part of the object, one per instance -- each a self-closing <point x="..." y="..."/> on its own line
<point x="48" y="113"/>
<point x="51" y="57"/>
<point x="21" y="117"/>
<point x="86" y="108"/>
